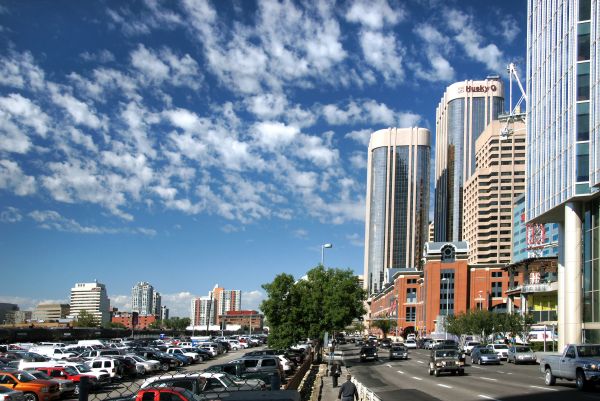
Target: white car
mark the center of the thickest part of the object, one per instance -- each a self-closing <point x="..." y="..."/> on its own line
<point x="104" y="365"/>
<point x="194" y="355"/>
<point x="287" y="365"/>
<point x="150" y="365"/>
<point x="235" y="344"/>
<point x="468" y="347"/>
<point x="500" y="349"/>
<point x="410" y="344"/>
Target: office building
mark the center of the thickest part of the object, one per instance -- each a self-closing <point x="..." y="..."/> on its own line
<point x="164" y="313"/>
<point x="51" y="312"/>
<point x="145" y="300"/>
<point x="488" y="194"/>
<point x="464" y="111"/>
<point x="396" y="226"/>
<point x="563" y="168"/>
<point x="6" y="308"/>
<point x="92" y="298"/>
<point x="531" y="240"/>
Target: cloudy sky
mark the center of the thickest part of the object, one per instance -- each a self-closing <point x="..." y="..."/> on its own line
<point x="193" y="143"/>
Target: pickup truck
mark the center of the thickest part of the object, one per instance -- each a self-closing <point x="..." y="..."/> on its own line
<point x="181" y="394"/>
<point x="579" y="362"/>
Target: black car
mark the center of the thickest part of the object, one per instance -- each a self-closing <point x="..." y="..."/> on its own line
<point x="166" y="361"/>
<point x="398" y="351"/>
<point x="385" y="343"/>
<point x="368" y="353"/>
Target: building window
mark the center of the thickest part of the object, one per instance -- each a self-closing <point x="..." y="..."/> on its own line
<point x="583" y="42"/>
<point x="497" y="289"/>
<point x="583" y="121"/>
<point x="583" y="167"/>
<point x="585" y="10"/>
<point x="411" y="314"/>
<point x="583" y="81"/>
<point x="497" y="274"/>
<point x="411" y="295"/>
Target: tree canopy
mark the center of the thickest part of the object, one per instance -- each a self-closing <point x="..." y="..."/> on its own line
<point x="325" y="300"/>
<point x="485" y="323"/>
<point x="86" y="319"/>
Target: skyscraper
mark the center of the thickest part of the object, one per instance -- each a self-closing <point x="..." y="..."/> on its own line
<point x="489" y="193"/>
<point x="396" y="226"/>
<point x="145" y="300"/>
<point x="203" y="311"/>
<point x="92" y="298"/>
<point x="463" y="113"/>
<point x="563" y="151"/>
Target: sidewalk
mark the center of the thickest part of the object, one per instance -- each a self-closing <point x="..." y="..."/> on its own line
<point x="328" y="392"/>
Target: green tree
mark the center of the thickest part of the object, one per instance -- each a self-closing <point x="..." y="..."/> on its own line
<point x="86" y="319"/>
<point x="385" y="325"/>
<point x="112" y="325"/>
<point x="325" y="300"/>
<point x="177" y="323"/>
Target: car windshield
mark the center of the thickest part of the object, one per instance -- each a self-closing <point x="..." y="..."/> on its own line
<point x="227" y="381"/>
<point x="70" y="370"/>
<point x="83" y="369"/>
<point x="40" y="375"/>
<point x="24" y="377"/>
<point x="522" y="349"/>
<point x="486" y="351"/>
<point x="446" y="353"/>
<point x="588" y="350"/>
<point x="500" y="346"/>
<point x="397" y="348"/>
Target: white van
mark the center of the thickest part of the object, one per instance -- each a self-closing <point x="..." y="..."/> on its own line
<point x="53" y="352"/>
<point x="97" y="343"/>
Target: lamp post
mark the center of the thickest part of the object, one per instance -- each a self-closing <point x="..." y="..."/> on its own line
<point x="480" y="300"/>
<point x="323" y="252"/>
<point x="447" y="281"/>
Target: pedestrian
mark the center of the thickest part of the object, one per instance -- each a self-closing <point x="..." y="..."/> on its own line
<point x="348" y="391"/>
<point x="336" y="372"/>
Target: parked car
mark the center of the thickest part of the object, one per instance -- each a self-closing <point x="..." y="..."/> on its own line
<point x="398" y="351"/>
<point x="468" y="346"/>
<point x="181" y="351"/>
<point x="70" y="373"/>
<point x="160" y="394"/>
<point x="239" y="373"/>
<point x="199" y="383"/>
<point x="445" y="360"/>
<point x="105" y="365"/>
<point x="80" y="368"/>
<point x="165" y="360"/>
<point x="65" y="386"/>
<point x="500" y="349"/>
<point x="33" y="389"/>
<point x="263" y="363"/>
<point x="368" y="353"/>
<point x="578" y="362"/>
<point x="484" y="356"/>
<point x="149" y="365"/>
<point x="520" y="354"/>
<point x="7" y="394"/>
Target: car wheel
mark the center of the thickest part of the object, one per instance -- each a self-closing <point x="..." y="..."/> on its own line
<point x="549" y="378"/>
<point x="30" y="397"/>
<point x="164" y="367"/>
<point x="437" y="373"/>
<point x="479" y="362"/>
<point x="580" y="381"/>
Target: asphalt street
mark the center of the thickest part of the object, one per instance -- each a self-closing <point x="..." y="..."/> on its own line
<point x="409" y="380"/>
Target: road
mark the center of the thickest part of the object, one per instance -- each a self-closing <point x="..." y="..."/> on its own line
<point x="409" y="380"/>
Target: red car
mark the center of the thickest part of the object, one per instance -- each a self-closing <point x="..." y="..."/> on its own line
<point x="69" y="373"/>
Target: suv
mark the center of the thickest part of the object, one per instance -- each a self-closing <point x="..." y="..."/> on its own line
<point x="264" y="363"/>
<point x="238" y="371"/>
<point x="445" y="360"/>
<point x="500" y="349"/>
<point x="33" y="389"/>
<point x="369" y="352"/>
<point x="105" y="365"/>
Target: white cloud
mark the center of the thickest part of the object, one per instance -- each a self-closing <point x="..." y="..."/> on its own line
<point x="20" y="71"/>
<point x="358" y="160"/>
<point x="300" y="233"/>
<point x="510" y="28"/>
<point x="121" y="302"/>
<point x="29" y="304"/>
<point x="26" y="112"/>
<point x="374" y="14"/>
<point x="13" y="179"/>
<point x="78" y="110"/>
<point x="361" y="136"/>
<point x="471" y="41"/>
<point x="10" y="215"/>
<point x="165" y="66"/>
<point x="384" y="53"/>
<point x="368" y="111"/>
<point x="178" y="303"/>
<point x="52" y="220"/>
<point x="153" y="15"/>
<point x="275" y="135"/>
<point x="356" y="239"/>
<point x="437" y="47"/>
<point x="100" y="56"/>
<point x="251" y="299"/>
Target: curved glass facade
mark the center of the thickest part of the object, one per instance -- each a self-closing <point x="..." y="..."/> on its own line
<point x="377" y="219"/>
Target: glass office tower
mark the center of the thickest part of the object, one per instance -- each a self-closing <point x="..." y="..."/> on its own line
<point x="463" y="113"/>
<point x="396" y="226"/>
<point x="563" y="152"/>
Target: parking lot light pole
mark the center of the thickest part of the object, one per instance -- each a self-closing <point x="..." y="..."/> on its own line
<point x="323" y="252"/>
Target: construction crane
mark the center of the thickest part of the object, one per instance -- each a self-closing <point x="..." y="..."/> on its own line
<point x="514" y="113"/>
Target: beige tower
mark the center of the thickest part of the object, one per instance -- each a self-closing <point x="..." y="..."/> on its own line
<point x="488" y="195"/>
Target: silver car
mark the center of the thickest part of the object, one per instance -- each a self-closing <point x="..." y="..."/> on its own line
<point x="484" y="356"/>
<point x="521" y="354"/>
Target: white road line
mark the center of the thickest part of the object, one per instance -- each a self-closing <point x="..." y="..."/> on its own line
<point x="420" y="362"/>
<point x="443" y="385"/>
<point x="489" y="378"/>
<point x="476" y="367"/>
<point x="401" y="372"/>
<point x="388" y="365"/>
<point x="544" y="388"/>
<point x="417" y="378"/>
<point x="487" y="397"/>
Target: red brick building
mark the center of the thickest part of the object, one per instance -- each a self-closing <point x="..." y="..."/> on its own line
<point x="244" y="318"/>
<point x="134" y="320"/>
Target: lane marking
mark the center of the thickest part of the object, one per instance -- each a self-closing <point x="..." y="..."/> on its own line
<point x="388" y="365"/>
<point x="401" y="372"/>
<point x="417" y="378"/>
<point x="544" y="388"/>
<point x="487" y="397"/>
<point x="444" y="385"/>
<point x="420" y="362"/>
<point x="489" y="378"/>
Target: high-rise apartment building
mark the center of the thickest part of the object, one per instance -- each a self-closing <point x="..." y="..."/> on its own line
<point x="396" y="226"/>
<point x="92" y="298"/>
<point x="227" y="301"/>
<point x="145" y="300"/>
<point x="489" y="193"/>
<point x="563" y="148"/>
<point x="463" y="113"/>
<point x="203" y="311"/>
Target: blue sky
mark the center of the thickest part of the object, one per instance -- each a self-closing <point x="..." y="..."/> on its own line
<point x="192" y="143"/>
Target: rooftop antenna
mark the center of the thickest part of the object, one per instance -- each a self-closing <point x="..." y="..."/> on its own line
<point x="514" y="113"/>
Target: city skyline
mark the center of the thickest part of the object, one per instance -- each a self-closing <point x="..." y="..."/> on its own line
<point x="133" y="149"/>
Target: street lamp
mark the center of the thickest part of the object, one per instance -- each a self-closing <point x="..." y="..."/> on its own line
<point x="447" y="281"/>
<point x="480" y="300"/>
<point x="323" y="252"/>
